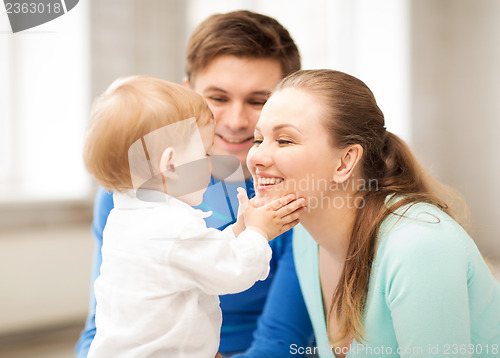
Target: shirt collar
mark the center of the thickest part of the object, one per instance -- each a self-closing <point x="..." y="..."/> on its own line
<point x="151" y="199"/>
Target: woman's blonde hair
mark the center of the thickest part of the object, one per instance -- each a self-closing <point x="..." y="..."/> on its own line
<point x="128" y="110"/>
<point x="352" y="116"/>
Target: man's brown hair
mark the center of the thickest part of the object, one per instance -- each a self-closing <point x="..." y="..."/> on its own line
<point x="241" y="34"/>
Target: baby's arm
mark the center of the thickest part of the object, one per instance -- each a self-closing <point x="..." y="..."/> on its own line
<point x="217" y="262"/>
<point x="231" y="261"/>
<point x="269" y="220"/>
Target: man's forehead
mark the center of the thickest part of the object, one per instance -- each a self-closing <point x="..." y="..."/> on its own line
<point x="225" y="72"/>
<point x="224" y="91"/>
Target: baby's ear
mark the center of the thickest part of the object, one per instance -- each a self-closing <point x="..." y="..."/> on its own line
<point x="167" y="165"/>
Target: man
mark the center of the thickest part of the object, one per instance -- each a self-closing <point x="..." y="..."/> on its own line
<point x="234" y="60"/>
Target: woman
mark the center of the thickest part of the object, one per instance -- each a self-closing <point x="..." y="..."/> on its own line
<point x="390" y="271"/>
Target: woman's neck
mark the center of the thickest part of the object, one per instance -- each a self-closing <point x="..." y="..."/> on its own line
<point x="331" y="226"/>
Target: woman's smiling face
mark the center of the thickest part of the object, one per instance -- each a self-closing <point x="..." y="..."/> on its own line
<point x="292" y="151"/>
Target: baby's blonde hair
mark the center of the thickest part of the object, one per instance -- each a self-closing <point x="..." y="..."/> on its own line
<point x="128" y="110"/>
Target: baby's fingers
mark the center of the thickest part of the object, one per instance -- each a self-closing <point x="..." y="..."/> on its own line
<point x="290" y="225"/>
<point x="242" y="198"/>
<point x="295" y="207"/>
<point x="294" y="215"/>
<point x="276" y="204"/>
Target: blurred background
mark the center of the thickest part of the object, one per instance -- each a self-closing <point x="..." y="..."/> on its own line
<point x="432" y="65"/>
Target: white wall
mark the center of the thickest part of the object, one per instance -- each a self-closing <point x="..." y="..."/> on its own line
<point x="456" y="104"/>
<point x="365" y="38"/>
<point x="136" y="37"/>
<point x="45" y="276"/>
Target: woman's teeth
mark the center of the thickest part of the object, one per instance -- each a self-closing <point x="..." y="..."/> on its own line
<point x="269" y="181"/>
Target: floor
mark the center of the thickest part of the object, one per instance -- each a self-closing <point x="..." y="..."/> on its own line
<point x="55" y="343"/>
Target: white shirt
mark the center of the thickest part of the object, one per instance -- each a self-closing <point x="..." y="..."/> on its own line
<point x="161" y="274"/>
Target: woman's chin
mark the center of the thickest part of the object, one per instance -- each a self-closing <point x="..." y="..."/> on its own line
<point x="259" y="200"/>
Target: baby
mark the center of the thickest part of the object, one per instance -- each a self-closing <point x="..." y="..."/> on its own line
<point x="162" y="271"/>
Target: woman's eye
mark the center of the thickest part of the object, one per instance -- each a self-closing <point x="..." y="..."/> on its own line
<point x="284" y="141"/>
<point x="257" y="141"/>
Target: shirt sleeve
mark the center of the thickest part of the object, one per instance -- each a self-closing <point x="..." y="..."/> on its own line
<point x="102" y="206"/>
<point x="427" y="291"/>
<point x="218" y="262"/>
<point x="284" y="322"/>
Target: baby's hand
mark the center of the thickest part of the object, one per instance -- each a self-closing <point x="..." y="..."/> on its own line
<point x="274" y="218"/>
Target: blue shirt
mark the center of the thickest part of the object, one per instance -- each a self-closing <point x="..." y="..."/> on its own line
<point x="272" y="310"/>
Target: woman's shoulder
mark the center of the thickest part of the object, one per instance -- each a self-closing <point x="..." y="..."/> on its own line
<point x="422" y="225"/>
<point x="422" y="249"/>
<point x="422" y="233"/>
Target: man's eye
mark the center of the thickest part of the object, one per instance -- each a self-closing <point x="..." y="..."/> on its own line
<point x="257" y="102"/>
<point x="218" y="99"/>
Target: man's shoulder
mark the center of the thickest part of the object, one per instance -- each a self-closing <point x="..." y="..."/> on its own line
<point x="103" y="201"/>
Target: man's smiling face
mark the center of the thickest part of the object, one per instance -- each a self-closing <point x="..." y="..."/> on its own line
<point x="236" y="90"/>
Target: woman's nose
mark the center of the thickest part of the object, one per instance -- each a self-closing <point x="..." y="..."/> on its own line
<point x="260" y="156"/>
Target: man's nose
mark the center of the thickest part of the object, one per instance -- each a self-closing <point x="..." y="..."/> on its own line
<point x="238" y="117"/>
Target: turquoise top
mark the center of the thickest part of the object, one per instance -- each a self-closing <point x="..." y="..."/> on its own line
<point x="430" y="294"/>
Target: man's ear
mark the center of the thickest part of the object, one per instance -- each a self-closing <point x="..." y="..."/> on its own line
<point x="186" y="83"/>
<point x="167" y="165"/>
<point x="348" y="161"/>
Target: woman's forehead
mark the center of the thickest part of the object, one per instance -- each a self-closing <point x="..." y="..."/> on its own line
<point x="291" y="105"/>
